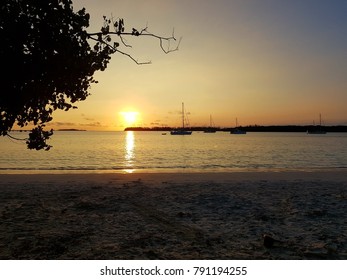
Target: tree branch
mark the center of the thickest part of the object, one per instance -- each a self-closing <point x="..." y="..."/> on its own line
<point x="125" y="44"/>
<point x="15" y="138"/>
<point x="104" y="37"/>
<point x="133" y="59"/>
<point x="115" y="49"/>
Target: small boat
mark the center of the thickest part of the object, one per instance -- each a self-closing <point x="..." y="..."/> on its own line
<point x="211" y="128"/>
<point x="318" y="129"/>
<point x="237" y="130"/>
<point x="316" y="132"/>
<point x="182" y="130"/>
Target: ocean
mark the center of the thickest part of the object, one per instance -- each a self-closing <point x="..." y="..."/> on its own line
<point x="87" y="151"/>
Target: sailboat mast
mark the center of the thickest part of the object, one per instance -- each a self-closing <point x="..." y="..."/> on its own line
<point x="182" y="115"/>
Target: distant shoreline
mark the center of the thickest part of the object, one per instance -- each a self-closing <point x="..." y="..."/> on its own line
<point x="251" y="128"/>
<point x="255" y="128"/>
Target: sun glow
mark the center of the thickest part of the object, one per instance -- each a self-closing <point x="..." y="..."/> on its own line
<point x="130" y="118"/>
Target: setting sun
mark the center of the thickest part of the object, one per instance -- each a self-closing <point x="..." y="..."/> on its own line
<point x="130" y="118"/>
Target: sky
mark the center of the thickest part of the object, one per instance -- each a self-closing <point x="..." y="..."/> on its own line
<point x="265" y="62"/>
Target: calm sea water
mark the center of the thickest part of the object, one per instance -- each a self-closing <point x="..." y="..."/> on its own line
<point x="154" y="152"/>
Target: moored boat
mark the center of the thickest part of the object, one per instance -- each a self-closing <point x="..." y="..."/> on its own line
<point x="317" y="129"/>
<point x="237" y="130"/>
<point x="182" y="130"/>
<point x="211" y="128"/>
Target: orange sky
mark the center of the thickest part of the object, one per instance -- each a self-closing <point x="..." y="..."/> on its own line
<point x="264" y="62"/>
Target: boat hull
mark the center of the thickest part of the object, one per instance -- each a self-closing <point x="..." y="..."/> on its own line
<point x="181" y="132"/>
<point x="316" y="132"/>
<point x="237" y="131"/>
<point x="210" y="130"/>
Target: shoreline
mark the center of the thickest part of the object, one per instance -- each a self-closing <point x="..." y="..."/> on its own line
<point x="313" y="174"/>
<point x="174" y="215"/>
<point x="169" y="171"/>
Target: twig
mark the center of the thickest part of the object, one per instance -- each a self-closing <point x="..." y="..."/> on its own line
<point x="125" y="44"/>
<point x="133" y="59"/>
<point x="15" y="138"/>
<point x="119" y="31"/>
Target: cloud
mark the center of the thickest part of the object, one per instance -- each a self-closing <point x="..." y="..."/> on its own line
<point x="93" y="124"/>
<point x="63" y="124"/>
<point x="77" y="125"/>
<point x="86" y="118"/>
<point x="156" y="123"/>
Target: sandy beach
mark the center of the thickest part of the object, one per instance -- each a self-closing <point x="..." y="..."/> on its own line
<point x="174" y="216"/>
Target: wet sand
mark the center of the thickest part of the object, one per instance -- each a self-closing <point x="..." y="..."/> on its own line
<point x="174" y="216"/>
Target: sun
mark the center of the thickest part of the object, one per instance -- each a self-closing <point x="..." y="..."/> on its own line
<point x="130" y="118"/>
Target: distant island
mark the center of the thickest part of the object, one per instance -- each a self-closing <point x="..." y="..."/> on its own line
<point x="251" y="128"/>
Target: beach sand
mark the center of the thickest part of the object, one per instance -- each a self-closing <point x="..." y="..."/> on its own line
<point x="174" y="216"/>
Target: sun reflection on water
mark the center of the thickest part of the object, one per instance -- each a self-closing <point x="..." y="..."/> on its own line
<point x="129" y="151"/>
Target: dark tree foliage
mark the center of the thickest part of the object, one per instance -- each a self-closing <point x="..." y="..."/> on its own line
<point x="48" y="62"/>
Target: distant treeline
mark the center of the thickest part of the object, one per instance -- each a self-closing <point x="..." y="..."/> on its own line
<point x="251" y="128"/>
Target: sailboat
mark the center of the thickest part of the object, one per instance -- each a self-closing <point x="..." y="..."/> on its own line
<point x="237" y="130"/>
<point x="211" y="128"/>
<point x="319" y="129"/>
<point x="182" y="130"/>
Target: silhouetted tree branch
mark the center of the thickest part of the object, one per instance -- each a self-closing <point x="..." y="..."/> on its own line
<point x="49" y="62"/>
<point x="105" y="37"/>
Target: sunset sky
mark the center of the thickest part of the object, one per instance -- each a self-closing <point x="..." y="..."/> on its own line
<point x="262" y="61"/>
